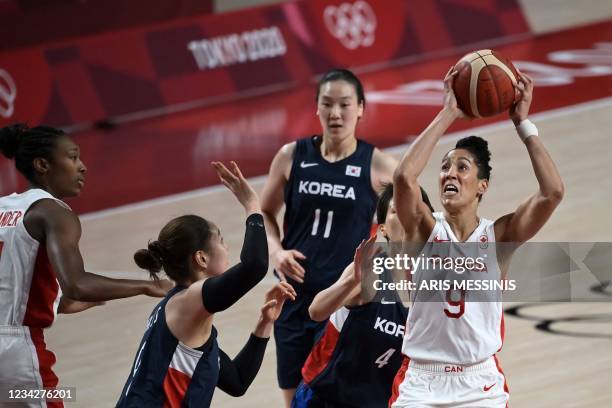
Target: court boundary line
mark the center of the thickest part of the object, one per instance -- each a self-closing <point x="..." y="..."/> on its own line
<point x="447" y="139"/>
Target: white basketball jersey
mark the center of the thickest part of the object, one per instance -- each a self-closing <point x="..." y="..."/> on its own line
<point x="455" y="332"/>
<point x="29" y="290"/>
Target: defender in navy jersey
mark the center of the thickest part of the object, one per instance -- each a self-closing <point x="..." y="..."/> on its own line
<point x="329" y="210"/>
<point x="355" y="361"/>
<point x="328" y="184"/>
<point x="179" y="363"/>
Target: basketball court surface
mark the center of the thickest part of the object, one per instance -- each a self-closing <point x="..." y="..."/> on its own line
<point x="145" y="172"/>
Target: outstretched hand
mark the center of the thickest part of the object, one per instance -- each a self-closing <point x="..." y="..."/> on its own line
<point x="233" y="179"/>
<point x="524" y="87"/>
<point x="275" y="298"/>
<point x="364" y="254"/>
<point x="158" y="287"/>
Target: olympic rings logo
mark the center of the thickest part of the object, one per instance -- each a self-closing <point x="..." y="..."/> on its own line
<point x="353" y="24"/>
<point x="8" y="94"/>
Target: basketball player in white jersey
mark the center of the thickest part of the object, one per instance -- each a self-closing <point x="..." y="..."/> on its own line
<point x="450" y="344"/>
<point x="41" y="268"/>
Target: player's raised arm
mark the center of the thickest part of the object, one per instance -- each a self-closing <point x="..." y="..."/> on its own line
<point x="531" y="214"/>
<point x="235" y="376"/>
<point x="344" y="290"/>
<point x="218" y="291"/>
<point x="347" y="290"/>
<point x="411" y="210"/>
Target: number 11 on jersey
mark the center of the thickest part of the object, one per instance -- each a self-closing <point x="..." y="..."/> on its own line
<point x="328" y="223"/>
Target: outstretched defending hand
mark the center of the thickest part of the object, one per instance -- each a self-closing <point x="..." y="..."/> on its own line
<point x="275" y="298"/>
<point x="234" y="180"/>
<point x="364" y="255"/>
<point x="520" y="110"/>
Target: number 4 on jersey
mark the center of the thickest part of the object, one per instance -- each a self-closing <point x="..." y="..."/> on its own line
<point x="383" y="360"/>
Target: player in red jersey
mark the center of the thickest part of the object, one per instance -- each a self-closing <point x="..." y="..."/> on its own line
<point x="41" y="268"/>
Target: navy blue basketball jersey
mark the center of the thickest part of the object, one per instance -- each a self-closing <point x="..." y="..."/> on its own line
<point x="329" y="210"/>
<point x="167" y="373"/>
<point x="353" y="364"/>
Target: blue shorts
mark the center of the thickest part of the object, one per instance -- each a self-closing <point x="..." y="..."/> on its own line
<point x="295" y="333"/>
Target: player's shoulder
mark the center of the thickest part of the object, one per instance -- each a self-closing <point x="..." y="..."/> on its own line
<point x="47" y="215"/>
<point x="51" y="205"/>
<point x="283" y="161"/>
<point x="286" y="153"/>
<point x="288" y="150"/>
<point x="51" y="211"/>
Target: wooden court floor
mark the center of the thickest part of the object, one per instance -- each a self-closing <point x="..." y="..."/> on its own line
<point x="95" y="349"/>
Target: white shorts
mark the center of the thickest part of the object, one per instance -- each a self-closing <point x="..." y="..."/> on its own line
<point x="25" y="363"/>
<point x="419" y="385"/>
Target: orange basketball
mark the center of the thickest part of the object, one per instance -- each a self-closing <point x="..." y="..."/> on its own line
<point x="484" y="85"/>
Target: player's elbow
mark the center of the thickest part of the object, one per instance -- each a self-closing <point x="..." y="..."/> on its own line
<point x="257" y="264"/>
<point x="556" y="194"/>
<point x="79" y="289"/>
<point x="403" y="180"/>
<point x="74" y="291"/>
<point x="267" y="213"/>
<point x="316" y="314"/>
<point x="399" y="176"/>
<point x="559" y="192"/>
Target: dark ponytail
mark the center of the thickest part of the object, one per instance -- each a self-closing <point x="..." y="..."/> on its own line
<point x="150" y="259"/>
<point x="10" y="137"/>
<point x="177" y="242"/>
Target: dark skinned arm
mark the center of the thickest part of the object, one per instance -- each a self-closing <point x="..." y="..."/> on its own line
<point x="68" y="306"/>
<point x="59" y="230"/>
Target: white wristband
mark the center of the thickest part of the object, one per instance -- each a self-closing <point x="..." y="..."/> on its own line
<point x="526" y="129"/>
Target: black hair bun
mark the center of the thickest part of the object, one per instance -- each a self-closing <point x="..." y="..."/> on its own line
<point x="149" y="259"/>
<point x="10" y="137"/>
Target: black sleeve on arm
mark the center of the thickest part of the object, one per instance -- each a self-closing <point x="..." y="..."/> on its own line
<point x="220" y="292"/>
<point x="235" y="376"/>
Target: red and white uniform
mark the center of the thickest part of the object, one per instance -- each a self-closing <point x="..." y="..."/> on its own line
<point x="450" y="346"/>
<point x="29" y="296"/>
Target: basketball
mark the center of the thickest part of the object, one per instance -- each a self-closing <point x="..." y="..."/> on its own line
<point x="484" y="85"/>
